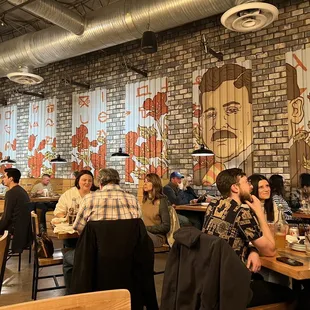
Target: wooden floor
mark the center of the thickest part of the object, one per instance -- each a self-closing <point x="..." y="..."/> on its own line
<point x="16" y="287"/>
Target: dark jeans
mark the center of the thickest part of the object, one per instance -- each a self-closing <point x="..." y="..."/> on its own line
<point x="265" y="293"/>
<point x="195" y="218"/>
<point x="42" y="208"/>
<point x="68" y="260"/>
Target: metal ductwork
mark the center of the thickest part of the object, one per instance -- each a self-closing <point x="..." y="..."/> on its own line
<point x="55" y="13"/>
<point x="119" y="22"/>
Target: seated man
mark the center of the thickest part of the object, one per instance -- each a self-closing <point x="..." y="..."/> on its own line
<point x="176" y="196"/>
<point x="301" y="196"/>
<point x="108" y="203"/>
<point x="43" y="189"/>
<point x="239" y="225"/>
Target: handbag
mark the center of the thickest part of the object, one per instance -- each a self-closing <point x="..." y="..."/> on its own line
<point x="45" y="246"/>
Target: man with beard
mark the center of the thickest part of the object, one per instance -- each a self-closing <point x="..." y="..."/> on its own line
<point x="239" y="225"/>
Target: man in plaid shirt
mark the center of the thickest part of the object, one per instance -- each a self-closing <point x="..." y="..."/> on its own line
<point x="108" y="203"/>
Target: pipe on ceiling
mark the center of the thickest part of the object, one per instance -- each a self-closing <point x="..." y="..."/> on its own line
<point x="119" y="22"/>
<point x="55" y="13"/>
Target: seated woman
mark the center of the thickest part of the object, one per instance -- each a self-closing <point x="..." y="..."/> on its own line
<point x="155" y="210"/>
<point x="277" y="194"/>
<point x="261" y="189"/>
<point x="84" y="183"/>
<point x="189" y="192"/>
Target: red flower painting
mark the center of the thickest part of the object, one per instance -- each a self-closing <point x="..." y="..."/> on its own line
<point x="156" y="107"/>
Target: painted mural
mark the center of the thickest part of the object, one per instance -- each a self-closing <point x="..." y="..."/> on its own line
<point x="8" y="129"/>
<point x="89" y="132"/>
<point x="222" y="120"/>
<point x="298" y="103"/>
<point x="42" y="137"/>
<point x="146" y="129"/>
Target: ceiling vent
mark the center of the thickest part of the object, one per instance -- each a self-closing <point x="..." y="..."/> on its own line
<point x="249" y="17"/>
<point x="23" y="76"/>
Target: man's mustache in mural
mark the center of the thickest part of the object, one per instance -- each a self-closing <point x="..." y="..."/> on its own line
<point x="223" y="134"/>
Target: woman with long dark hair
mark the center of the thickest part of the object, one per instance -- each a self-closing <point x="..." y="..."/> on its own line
<point x="277" y="193"/>
<point x="155" y="210"/>
<point x="261" y="189"/>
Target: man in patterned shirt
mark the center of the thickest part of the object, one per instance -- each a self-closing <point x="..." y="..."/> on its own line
<point x="238" y="224"/>
<point x="108" y="203"/>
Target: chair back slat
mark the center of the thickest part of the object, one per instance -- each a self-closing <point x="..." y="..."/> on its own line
<point x="4" y="248"/>
<point x="115" y="299"/>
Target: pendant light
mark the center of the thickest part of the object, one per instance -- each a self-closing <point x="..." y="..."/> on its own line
<point x="149" y="41"/>
<point x="120" y="154"/>
<point x="202" y="151"/>
<point x="58" y="160"/>
<point x="7" y="160"/>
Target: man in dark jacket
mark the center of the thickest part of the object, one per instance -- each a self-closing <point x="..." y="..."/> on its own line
<point x="16" y="216"/>
<point x="176" y="196"/>
<point x="203" y="272"/>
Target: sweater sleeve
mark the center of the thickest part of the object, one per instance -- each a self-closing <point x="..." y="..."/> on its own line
<point x="164" y="227"/>
<point x="64" y="202"/>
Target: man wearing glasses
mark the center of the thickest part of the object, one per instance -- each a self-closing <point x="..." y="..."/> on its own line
<point x="239" y="219"/>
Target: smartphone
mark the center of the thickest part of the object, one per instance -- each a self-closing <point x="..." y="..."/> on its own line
<point x="289" y="261"/>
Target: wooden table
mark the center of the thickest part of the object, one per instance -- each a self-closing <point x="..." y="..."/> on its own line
<point x="195" y="207"/>
<point x="301" y="215"/>
<point x="64" y="235"/>
<point x="45" y="199"/>
<point x="298" y="273"/>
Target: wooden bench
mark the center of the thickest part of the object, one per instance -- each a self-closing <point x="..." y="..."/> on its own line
<point x="278" y="306"/>
<point x="59" y="185"/>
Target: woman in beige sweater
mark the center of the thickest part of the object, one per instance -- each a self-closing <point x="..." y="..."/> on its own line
<point x="155" y="210"/>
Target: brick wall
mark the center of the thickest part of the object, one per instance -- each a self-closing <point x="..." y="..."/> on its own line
<point x="178" y="56"/>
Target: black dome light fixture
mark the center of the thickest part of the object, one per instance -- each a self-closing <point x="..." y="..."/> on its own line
<point x="7" y="160"/>
<point x="203" y="151"/>
<point x="120" y="154"/>
<point x="58" y="160"/>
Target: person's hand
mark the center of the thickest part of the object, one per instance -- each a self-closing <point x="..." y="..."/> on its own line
<point x="193" y="201"/>
<point x="254" y="264"/>
<point x="40" y="192"/>
<point x="255" y="204"/>
<point x="173" y="206"/>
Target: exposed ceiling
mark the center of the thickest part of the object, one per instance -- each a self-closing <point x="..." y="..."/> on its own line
<point x="16" y="21"/>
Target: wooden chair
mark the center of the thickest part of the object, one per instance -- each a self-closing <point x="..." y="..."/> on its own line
<point x="113" y="300"/>
<point x="278" y="306"/>
<point x="4" y="248"/>
<point x="57" y="259"/>
<point x="164" y="249"/>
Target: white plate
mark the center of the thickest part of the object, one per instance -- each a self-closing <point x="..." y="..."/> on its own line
<point x="298" y="247"/>
<point x="205" y="204"/>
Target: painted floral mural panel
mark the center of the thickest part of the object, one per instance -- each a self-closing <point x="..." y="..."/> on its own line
<point x="42" y="137"/>
<point x="89" y="119"/>
<point x="146" y="129"/>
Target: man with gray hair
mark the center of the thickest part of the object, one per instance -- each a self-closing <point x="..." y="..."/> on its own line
<point x="110" y="202"/>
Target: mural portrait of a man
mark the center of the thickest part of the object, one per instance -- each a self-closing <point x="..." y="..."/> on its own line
<point x="225" y="99"/>
<point x="298" y="126"/>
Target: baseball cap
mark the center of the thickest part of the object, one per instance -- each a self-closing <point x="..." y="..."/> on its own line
<point x="176" y="174"/>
